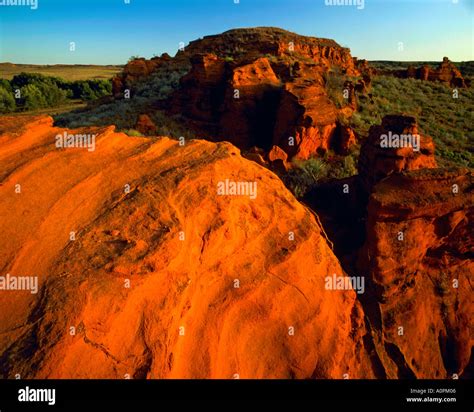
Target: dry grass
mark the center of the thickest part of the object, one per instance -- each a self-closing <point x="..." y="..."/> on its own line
<point x="66" y="72"/>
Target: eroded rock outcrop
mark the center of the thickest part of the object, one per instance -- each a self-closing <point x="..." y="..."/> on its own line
<point x="306" y="118"/>
<point x="252" y="43"/>
<point x="405" y="226"/>
<point x="145" y="125"/>
<point x="147" y="269"/>
<point x="346" y="139"/>
<point x="201" y="90"/>
<point x="233" y="86"/>
<point x="392" y="147"/>
<point x="280" y="99"/>
<point x="135" y="70"/>
<point x="250" y="101"/>
<point x="419" y="259"/>
<point x="446" y="73"/>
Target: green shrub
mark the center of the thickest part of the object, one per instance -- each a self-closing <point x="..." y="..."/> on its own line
<point x="335" y="87"/>
<point x="32" y="98"/>
<point x="90" y="89"/>
<point x="305" y="175"/>
<point x="53" y="95"/>
<point x="6" y="85"/>
<point x="133" y="133"/>
<point x="23" y="79"/>
<point x="350" y="166"/>
<point x="314" y="167"/>
<point x="56" y="90"/>
<point x="7" y="101"/>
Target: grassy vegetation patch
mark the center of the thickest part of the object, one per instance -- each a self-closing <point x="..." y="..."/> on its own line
<point x="448" y="120"/>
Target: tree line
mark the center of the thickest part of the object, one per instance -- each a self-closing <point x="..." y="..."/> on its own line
<point x="31" y="91"/>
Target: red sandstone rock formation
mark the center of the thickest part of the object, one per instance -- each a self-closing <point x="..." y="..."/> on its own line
<point x="394" y="146"/>
<point x="346" y="139"/>
<point x="237" y="95"/>
<point x="248" y="110"/>
<point x="135" y="70"/>
<point x="306" y="118"/>
<point x="165" y="277"/>
<point x="182" y="314"/>
<point x="249" y="44"/>
<point x="276" y="153"/>
<point x="145" y="125"/>
<point x="364" y="85"/>
<point x="201" y="89"/>
<point x="418" y="256"/>
<point x="449" y="74"/>
<point x="278" y="159"/>
<point x="446" y="73"/>
<point x="363" y="66"/>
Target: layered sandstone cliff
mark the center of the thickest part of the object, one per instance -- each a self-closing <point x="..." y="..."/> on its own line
<point x="418" y="256"/>
<point x="406" y="227"/>
<point x="259" y="87"/>
<point x="252" y="43"/>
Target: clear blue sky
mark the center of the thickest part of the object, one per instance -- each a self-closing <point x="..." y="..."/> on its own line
<point x="110" y="31"/>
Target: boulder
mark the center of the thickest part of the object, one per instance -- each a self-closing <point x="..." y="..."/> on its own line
<point x="170" y="274"/>
<point x="145" y="125"/>
<point x="276" y="153"/>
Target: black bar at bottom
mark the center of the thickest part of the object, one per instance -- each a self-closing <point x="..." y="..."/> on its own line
<point x="451" y="395"/>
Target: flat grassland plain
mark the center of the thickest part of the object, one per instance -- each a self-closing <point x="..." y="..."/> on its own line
<point x="66" y="72"/>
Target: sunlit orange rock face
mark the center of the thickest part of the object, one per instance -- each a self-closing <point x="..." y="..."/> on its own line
<point x="418" y="257"/>
<point x="306" y="118"/>
<point x="150" y="267"/>
<point x="417" y="254"/>
<point x="260" y="86"/>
